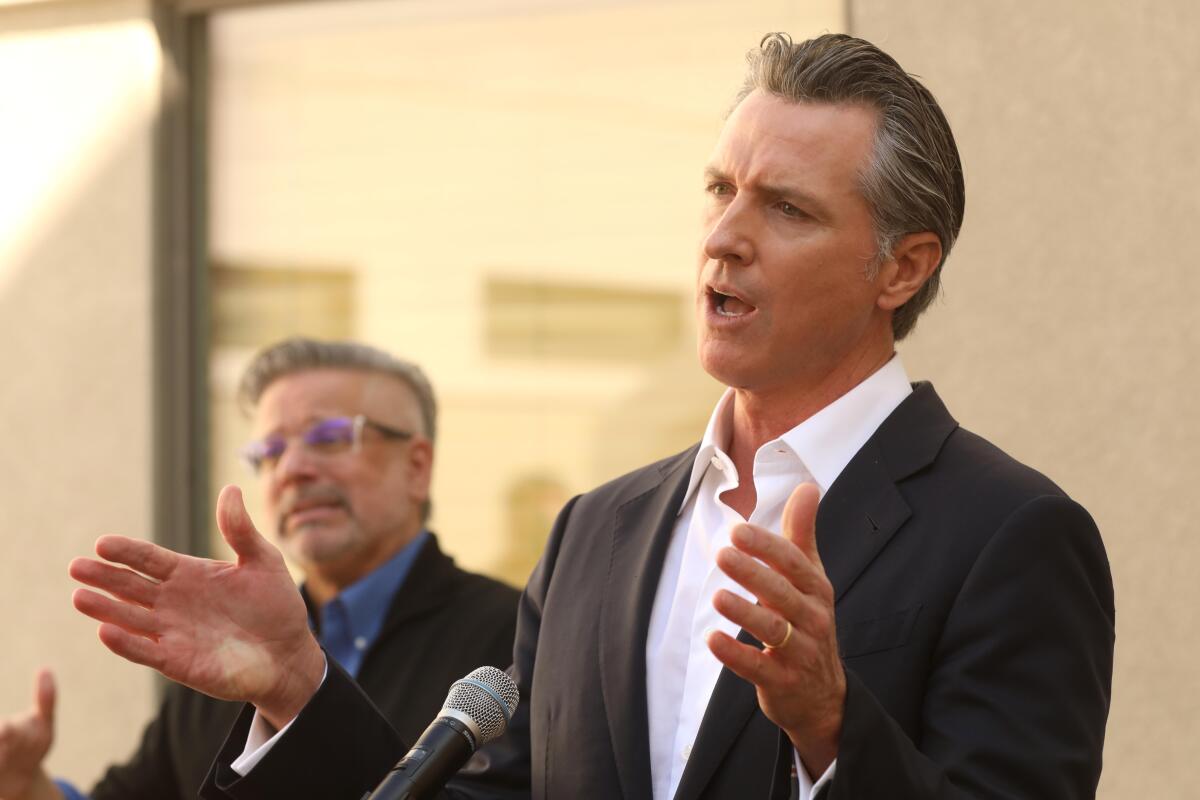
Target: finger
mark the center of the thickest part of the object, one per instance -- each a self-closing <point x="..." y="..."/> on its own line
<point x="122" y="583"/>
<point x="134" y="619"/>
<point x="768" y="625"/>
<point x="131" y="647"/>
<point x="237" y="528"/>
<point x="138" y="554"/>
<point x="744" y="660"/>
<point x="763" y="623"/>
<point x="800" y="519"/>
<point x="770" y="587"/>
<point x="776" y="552"/>
<point x="44" y="695"/>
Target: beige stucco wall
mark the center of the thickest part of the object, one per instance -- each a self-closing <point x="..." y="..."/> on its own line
<point x="78" y="88"/>
<point x="1068" y="333"/>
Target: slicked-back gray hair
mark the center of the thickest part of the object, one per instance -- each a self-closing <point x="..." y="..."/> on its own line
<point x="301" y="355"/>
<point x="914" y="182"/>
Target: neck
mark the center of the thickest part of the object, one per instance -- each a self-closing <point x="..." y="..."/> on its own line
<point x="326" y="580"/>
<point x="762" y="416"/>
<point x="320" y="590"/>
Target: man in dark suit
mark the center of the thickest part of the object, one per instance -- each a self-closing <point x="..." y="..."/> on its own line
<point x="937" y="618"/>
<point x="343" y="456"/>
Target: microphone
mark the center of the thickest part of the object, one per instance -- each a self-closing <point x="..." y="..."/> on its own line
<point x="476" y="711"/>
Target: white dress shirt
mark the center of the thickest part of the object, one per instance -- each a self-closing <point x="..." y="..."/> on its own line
<point x="681" y="672"/>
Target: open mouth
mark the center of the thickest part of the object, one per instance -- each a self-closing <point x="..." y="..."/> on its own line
<point x="728" y="305"/>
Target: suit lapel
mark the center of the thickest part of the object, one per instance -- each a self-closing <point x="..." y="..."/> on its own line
<point x="859" y="514"/>
<point x="642" y="531"/>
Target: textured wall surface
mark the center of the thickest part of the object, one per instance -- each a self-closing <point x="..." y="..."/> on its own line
<point x="1068" y="330"/>
<point x="77" y="96"/>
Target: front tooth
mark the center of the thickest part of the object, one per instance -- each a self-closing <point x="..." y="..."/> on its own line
<point x="734" y="307"/>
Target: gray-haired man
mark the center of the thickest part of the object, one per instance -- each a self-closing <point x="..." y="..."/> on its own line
<point x="343" y="453"/>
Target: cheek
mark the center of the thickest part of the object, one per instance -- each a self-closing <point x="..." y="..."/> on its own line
<point x="269" y="491"/>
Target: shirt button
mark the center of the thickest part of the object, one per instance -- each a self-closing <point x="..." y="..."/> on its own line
<point x="686" y="752"/>
<point x="360" y="643"/>
<point x="716" y="462"/>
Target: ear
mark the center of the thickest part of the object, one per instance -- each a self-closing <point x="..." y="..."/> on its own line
<point x="913" y="261"/>
<point x="420" y="466"/>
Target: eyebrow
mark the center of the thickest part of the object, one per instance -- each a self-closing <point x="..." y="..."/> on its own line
<point x="789" y="193"/>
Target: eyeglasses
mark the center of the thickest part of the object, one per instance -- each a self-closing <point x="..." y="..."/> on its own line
<point x="326" y="437"/>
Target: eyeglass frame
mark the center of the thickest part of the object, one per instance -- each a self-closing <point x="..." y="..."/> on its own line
<point x="257" y="463"/>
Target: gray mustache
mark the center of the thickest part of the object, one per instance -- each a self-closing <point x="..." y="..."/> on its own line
<point x="322" y="495"/>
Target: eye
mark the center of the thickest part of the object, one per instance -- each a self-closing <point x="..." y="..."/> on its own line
<point x="789" y="210"/>
<point x="718" y="189"/>
<point x="329" y="433"/>
<point x="263" y="454"/>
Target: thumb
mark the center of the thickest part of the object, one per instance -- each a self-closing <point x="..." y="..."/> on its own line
<point x="44" y="695"/>
<point x="800" y="519"/>
<point x="237" y="528"/>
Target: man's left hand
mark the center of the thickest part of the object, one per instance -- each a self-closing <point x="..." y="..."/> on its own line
<point x="799" y="675"/>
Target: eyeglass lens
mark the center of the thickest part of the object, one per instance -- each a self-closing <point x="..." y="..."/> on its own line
<point x="325" y="436"/>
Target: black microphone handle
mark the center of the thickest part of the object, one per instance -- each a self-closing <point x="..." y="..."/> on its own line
<point x="440" y="753"/>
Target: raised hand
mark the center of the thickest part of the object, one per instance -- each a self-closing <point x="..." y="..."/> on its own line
<point x="24" y="742"/>
<point x="233" y="631"/>
<point x="799" y="676"/>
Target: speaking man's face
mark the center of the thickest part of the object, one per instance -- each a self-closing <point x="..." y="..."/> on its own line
<point x="783" y="296"/>
<point x="342" y="508"/>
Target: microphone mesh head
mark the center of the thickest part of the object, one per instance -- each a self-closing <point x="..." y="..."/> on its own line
<point x="487" y="696"/>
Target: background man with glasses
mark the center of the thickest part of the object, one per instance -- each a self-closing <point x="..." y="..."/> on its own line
<point x="344" y="455"/>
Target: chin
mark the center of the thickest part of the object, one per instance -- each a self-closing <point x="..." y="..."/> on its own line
<point x="316" y="546"/>
<point x="730" y="366"/>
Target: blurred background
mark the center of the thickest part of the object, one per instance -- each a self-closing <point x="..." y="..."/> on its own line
<point x="507" y="192"/>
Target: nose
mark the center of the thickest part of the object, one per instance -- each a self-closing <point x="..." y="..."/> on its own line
<point x="296" y="463"/>
<point x="729" y="238"/>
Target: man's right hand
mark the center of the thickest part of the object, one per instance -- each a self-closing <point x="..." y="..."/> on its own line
<point x="24" y="742"/>
<point x="232" y="631"/>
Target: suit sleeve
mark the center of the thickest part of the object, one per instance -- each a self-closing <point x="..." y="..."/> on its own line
<point x="1018" y="690"/>
<point x="341" y="746"/>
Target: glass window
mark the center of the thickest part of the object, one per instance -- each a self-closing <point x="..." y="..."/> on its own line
<point x="506" y="193"/>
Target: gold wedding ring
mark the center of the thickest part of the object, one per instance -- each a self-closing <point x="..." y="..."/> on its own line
<point x="782" y="641"/>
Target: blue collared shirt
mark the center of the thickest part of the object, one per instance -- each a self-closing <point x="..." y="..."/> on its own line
<point x="351" y="621"/>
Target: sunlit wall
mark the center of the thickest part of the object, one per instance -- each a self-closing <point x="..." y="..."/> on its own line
<point x="78" y="92"/>
<point x="1068" y="333"/>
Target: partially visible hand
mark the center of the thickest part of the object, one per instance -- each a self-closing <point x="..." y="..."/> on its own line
<point x="24" y="742"/>
<point x="801" y="682"/>
<point x="232" y="631"/>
